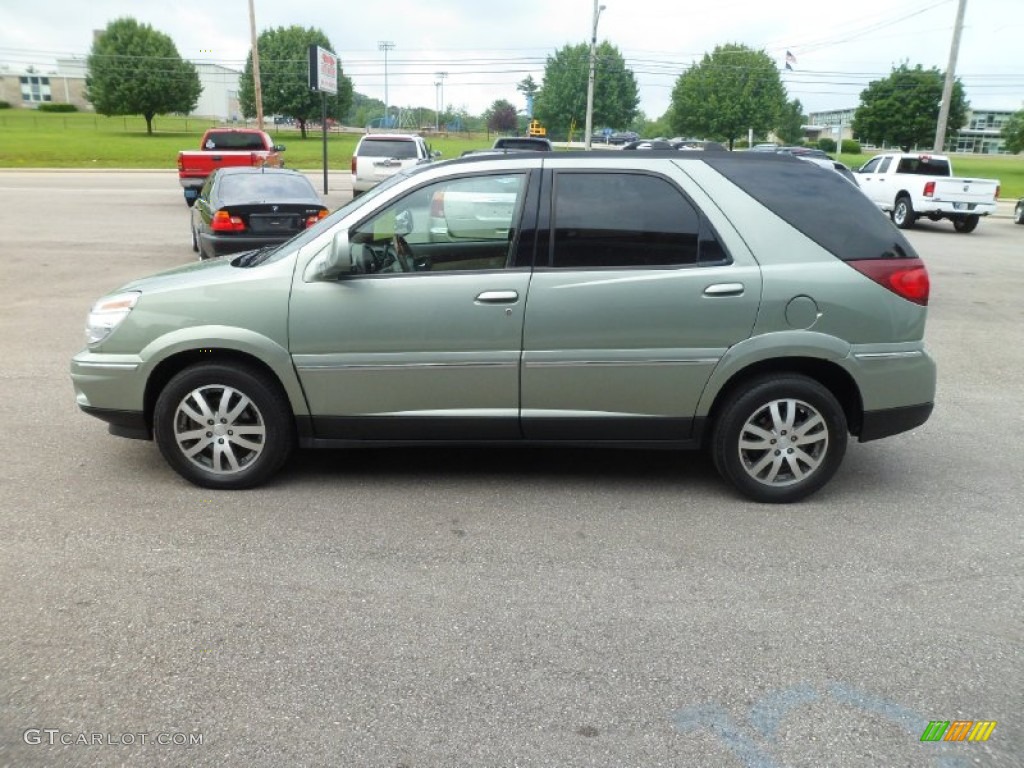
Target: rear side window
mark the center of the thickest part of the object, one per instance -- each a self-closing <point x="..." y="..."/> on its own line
<point x="387" y="148"/>
<point x="819" y="203"/>
<point x="625" y="220"/>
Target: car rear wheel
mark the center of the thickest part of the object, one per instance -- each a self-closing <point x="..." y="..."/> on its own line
<point x="224" y="427"/>
<point x="1018" y="213"/>
<point x="966" y="224"/>
<point x="780" y="438"/>
<point x="903" y="215"/>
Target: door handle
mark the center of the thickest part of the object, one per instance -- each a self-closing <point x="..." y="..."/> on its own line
<point x="724" y="289"/>
<point x="498" y="297"/>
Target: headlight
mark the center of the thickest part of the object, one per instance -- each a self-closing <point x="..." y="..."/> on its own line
<point x="107" y="313"/>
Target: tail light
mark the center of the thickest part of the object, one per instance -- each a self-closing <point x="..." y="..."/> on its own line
<point x="437" y="205"/>
<point x="929" y="189"/>
<point x="225" y="222"/>
<point x="353" y="163"/>
<point x="311" y="220"/>
<point x="997" y="192"/>
<point x="907" y="278"/>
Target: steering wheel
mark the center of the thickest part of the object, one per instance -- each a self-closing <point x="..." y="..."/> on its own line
<point x="403" y="253"/>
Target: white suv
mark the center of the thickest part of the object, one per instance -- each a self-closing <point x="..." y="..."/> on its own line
<point x="379" y="156"/>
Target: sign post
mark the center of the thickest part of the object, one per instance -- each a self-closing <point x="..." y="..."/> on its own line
<point x="323" y="77"/>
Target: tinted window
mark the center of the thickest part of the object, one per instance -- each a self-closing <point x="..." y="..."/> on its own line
<point x="886" y="162"/>
<point x="387" y="148"/>
<point x="254" y="187"/>
<point x="833" y="213"/>
<point x="870" y="165"/>
<point x="234" y="141"/>
<point x="622" y="220"/>
<point x="924" y="166"/>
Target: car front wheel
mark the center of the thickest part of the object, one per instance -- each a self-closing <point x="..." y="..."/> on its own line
<point x="224" y="427"/>
<point x="1018" y="213"/>
<point x="780" y="438"/>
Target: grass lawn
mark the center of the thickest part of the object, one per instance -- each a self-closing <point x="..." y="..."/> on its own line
<point x="31" y="139"/>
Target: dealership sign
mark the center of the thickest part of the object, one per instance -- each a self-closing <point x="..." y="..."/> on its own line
<point x="323" y="70"/>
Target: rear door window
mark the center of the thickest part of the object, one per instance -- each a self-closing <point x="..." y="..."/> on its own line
<point x="387" y="148"/>
<point x="609" y="219"/>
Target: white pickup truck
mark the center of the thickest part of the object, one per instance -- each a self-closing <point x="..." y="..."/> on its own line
<point x="913" y="185"/>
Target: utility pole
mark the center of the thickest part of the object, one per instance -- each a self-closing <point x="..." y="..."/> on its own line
<point x="589" y="128"/>
<point x="257" y="88"/>
<point x="385" y="45"/>
<point x="947" y="89"/>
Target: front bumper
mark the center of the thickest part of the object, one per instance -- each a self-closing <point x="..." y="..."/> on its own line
<point x="112" y="388"/>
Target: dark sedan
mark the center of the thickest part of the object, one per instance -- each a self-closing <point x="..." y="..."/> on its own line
<point x="240" y="209"/>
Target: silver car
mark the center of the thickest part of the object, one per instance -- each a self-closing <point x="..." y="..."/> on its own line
<point x="654" y="299"/>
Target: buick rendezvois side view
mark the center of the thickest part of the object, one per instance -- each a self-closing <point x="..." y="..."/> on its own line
<point x="754" y="305"/>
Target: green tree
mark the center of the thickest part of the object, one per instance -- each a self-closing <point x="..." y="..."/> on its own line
<point x="1013" y="132"/>
<point x="561" y="103"/>
<point x="732" y="90"/>
<point x="790" y="125"/>
<point x="529" y="89"/>
<point x="501" y="117"/>
<point x="903" y="109"/>
<point x="135" y="70"/>
<point x="284" y="78"/>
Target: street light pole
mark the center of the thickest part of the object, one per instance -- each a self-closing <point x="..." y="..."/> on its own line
<point x="385" y="45"/>
<point x="440" y="81"/>
<point x="947" y="87"/>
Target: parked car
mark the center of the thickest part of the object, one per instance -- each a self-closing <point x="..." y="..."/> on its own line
<point x="225" y="148"/>
<point x="379" y="156"/>
<point x="239" y="209"/>
<point x="623" y="137"/>
<point x="913" y="185"/>
<point x="1018" y="212"/>
<point x="534" y="143"/>
<point x="645" y="299"/>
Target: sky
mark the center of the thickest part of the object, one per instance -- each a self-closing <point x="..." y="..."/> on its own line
<point x="485" y="49"/>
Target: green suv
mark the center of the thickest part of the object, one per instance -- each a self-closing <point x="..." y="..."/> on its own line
<point x="750" y="304"/>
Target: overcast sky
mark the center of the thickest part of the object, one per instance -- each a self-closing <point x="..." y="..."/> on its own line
<point x="487" y="47"/>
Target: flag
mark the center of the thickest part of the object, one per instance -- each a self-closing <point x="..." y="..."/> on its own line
<point x="788" y="66"/>
<point x="790" y="58"/>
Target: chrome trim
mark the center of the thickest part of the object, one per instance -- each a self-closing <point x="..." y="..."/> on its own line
<point x="617" y="363"/>
<point x="497" y="297"/>
<point x="884" y="355"/>
<point x="393" y="366"/>
<point x="111" y="366"/>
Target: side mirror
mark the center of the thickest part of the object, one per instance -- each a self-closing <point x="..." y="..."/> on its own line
<point x="333" y="262"/>
<point x="279" y="147"/>
<point x="403" y="222"/>
<point x="436" y="153"/>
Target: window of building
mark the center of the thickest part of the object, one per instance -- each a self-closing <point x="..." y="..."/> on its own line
<point x="35" y="88"/>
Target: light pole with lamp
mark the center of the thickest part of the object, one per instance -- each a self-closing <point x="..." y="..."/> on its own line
<point x="385" y="45"/>
<point x="439" y="100"/>
<point x="588" y="131"/>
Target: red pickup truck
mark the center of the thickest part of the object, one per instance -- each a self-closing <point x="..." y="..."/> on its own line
<point x="224" y="147"/>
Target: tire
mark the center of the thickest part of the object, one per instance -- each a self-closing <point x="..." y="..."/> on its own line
<point x="966" y="224"/>
<point x="1018" y="214"/>
<point x="903" y="215"/>
<point x="255" y="408"/>
<point x="756" y="419"/>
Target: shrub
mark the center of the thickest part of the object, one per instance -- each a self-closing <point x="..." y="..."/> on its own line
<point x="827" y="145"/>
<point x="50" y="107"/>
<point x="851" y="147"/>
<point x="5" y="105"/>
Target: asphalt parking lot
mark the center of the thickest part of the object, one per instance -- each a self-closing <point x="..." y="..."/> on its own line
<point x="467" y="607"/>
